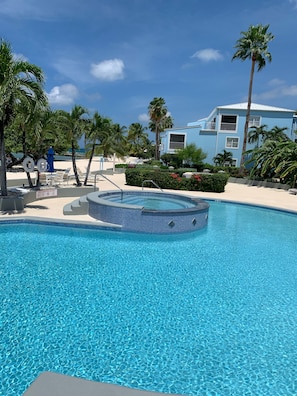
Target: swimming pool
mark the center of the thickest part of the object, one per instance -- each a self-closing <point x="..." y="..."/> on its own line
<point x="207" y="313"/>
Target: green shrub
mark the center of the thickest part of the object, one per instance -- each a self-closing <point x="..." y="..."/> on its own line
<point x="174" y="181"/>
<point x="121" y="165"/>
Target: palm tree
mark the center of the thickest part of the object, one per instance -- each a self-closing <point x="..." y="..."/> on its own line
<point x="20" y="82"/>
<point x="222" y="159"/>
<point x="286" y="161"/>
<point x="98" y="127"/>
<point x="74" y="125"/>
<point x="137" y="139"/>
<point x="256" y="134"/>
<point x="160" y="119"/>
<point x="253" y="45"/>
<point x="113" y="140"/>
<point x="277" y="134"/>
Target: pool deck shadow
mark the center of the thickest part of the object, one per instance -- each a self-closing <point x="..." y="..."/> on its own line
<point x="54" y="384"/>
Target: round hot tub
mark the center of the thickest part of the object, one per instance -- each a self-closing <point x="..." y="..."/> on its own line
<point x="149" y="212"/>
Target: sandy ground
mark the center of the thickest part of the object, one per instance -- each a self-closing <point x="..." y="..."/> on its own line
<point x="53" y="207"/>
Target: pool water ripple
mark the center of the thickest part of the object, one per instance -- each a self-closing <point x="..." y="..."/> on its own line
<point x="211" y="313"/>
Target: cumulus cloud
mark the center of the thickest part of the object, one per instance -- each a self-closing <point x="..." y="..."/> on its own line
<point x="208" y="55"/>
<point x="63" y="94"/>
<point x="278" y="89"/>
<point x="108" y="70"/>
<point x="144" y="117"/>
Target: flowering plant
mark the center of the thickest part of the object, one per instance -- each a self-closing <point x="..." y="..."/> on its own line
<point x="197" y="177"/>
<point x="175" y="176"/>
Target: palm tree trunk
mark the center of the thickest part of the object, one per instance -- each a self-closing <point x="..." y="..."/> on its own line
<point x="3" y="180"/>
<point x="248" y="112"/>
<point x="24" y="144"/>
<point x="157" y="148"/>
<point x="89" y="165"/>
<point x="78" y="183"/>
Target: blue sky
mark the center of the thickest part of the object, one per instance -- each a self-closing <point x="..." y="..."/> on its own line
<point x="115" y="56"/>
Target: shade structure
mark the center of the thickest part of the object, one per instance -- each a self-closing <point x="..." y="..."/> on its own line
<point x="50" y="160"/>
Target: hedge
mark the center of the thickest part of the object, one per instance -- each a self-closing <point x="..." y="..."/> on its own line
<point x="207" y="182"/>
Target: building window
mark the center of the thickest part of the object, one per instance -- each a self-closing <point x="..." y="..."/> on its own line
<point x="228" y="122"/>
<point x="254" y="121"/>
<point x="176" y="141"/>
<point x="232" y="142"/>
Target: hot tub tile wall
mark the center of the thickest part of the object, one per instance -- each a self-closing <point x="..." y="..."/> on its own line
<point x="137" y="219"/>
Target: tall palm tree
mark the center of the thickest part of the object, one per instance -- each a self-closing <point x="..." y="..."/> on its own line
<point x="159" y="120"/>
<point x="113" y="141"/>
<point x="137" y="139"/>
<point x="20" y="82"/>
<point x="74" y="125"/>
<point x="99" y="126"/>
<point x="253" y="45"/>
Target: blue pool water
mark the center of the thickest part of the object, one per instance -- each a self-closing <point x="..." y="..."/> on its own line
<point x="210" y="313"/>
<point x="150" y="201"/>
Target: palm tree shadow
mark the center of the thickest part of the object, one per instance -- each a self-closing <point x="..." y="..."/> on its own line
<point x="36" y="207"/>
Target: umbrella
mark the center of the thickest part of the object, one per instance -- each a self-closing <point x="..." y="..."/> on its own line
<point x="50" y="160"/>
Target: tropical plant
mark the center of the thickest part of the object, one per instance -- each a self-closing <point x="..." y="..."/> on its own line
<point x="257" y="134"/>
<point x="223" y="159"/>
<point x="192" y="155"/>
<point x="277" y="134"/>
<point x="20" y="82"/>
<point x="138" y="140"/>
<point x="113" y="141"/>
<point x="253" y="45"/>
<point x="99" y="127"/>
<point x="277" y="156"/>
<point x="159" y="120"/>
<point x="286" y="161"/>
<point x="74" y="124"/>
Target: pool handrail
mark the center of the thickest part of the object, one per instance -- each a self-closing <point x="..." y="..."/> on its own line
<point x="106" y="178"/>
<point x="152" y="181"/>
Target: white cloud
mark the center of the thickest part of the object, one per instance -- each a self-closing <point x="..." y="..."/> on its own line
<point x="63" y="94"/>
<point x="280" y="89"/>
<point x="108" y="70"/>
<point x="208" y="55"/>
<point x="144" y="117"/>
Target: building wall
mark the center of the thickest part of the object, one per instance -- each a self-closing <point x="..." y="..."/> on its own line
<point x="208" y="134"/>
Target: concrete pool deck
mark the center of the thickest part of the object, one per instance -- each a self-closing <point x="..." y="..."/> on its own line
<point x="53" y="384"/>
<point x="52" y="208"/>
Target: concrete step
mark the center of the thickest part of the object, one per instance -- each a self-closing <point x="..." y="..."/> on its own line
<point x="78" y="207"/>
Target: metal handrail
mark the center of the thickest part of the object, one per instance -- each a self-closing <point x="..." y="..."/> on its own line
<point x="101" y="174"/>
<point x="152" y="181"/>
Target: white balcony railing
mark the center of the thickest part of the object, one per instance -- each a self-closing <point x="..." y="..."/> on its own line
<point x="176" y="145"/>
<point x="210" y="126"/>
<point x="228" y="126"/>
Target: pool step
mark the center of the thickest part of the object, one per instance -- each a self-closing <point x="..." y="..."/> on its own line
<point x="78" y="207"/>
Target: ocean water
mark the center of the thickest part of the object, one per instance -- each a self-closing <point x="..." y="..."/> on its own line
<point x="207" y="313"/>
